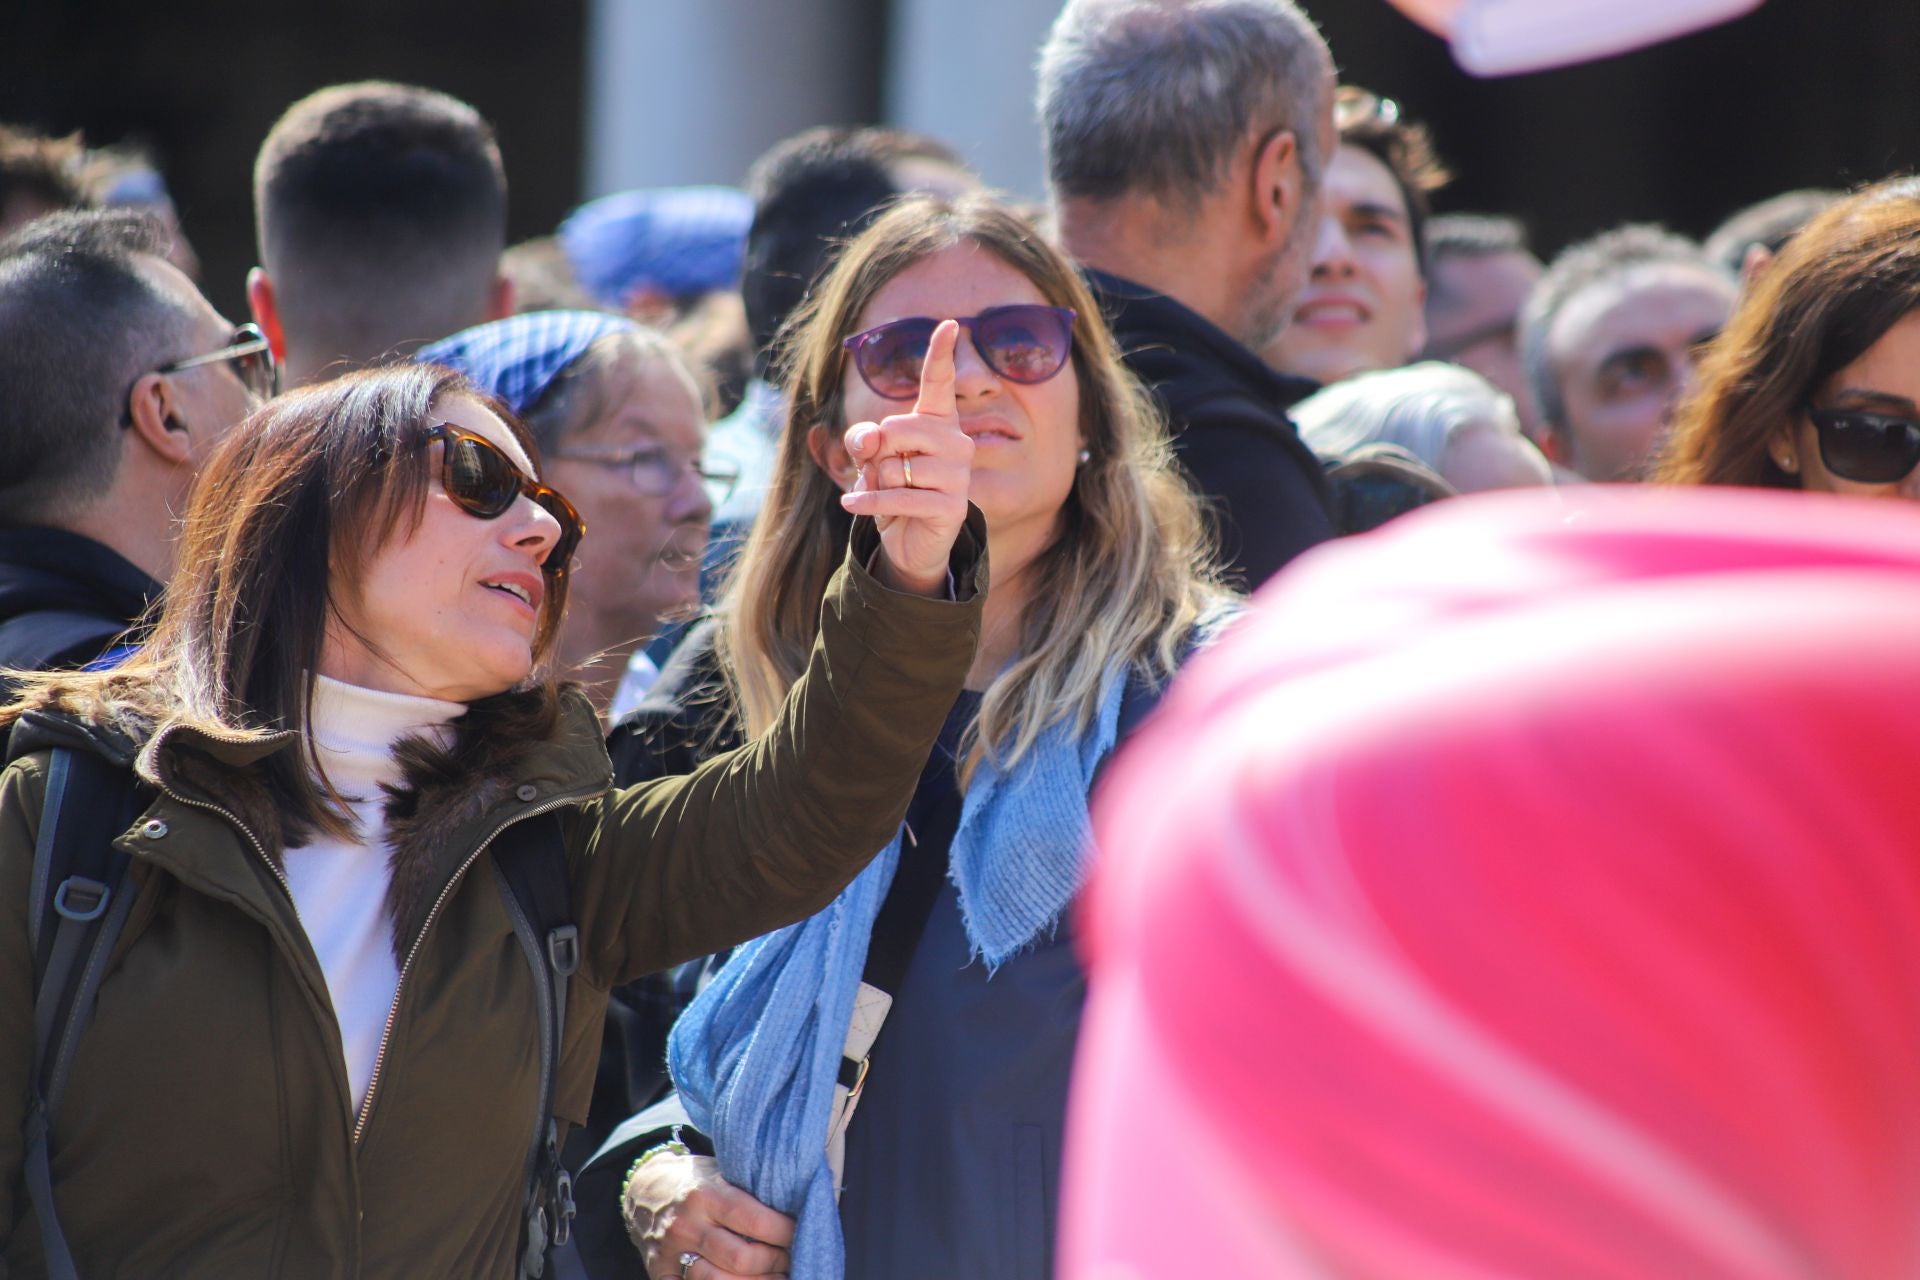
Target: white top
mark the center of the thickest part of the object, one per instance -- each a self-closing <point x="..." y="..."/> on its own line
<point x="340" y="888"/>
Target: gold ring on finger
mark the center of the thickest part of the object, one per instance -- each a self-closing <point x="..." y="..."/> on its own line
<point x="906" y="469"/>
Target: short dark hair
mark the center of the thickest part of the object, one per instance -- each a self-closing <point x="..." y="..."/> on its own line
<point x="381" y="211"/>
<point x="41" y="170"/>
<point x="1770" y="223"/>
<point x="811" y="193"/>
<point x="80" y="322"/>
<point x="1375" y="125"/>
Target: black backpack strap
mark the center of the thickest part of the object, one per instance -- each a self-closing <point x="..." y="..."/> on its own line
<point x="531" y="862"/>
<point x="79" y="903"/>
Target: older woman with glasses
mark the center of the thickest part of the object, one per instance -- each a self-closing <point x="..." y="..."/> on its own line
<point x="1101" y="586"/>
<point x="1815" y="382"/>
<point x="304" y="1035"/>
<point x="618" y="418"/>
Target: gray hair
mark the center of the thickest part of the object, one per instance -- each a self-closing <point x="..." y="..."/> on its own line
<point x="80" y="322"/>
<point x="1600" y="260"/>
<point x="1419" y="407"/>
<point x="1154" y="96"/>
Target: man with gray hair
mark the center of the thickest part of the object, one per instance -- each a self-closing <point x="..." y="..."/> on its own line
<point x="1609" y="339"/>
<point x="117" y="379"/>
<point x="1186" y="141"/>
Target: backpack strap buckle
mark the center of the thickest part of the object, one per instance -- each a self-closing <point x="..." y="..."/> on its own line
<point x="81" y="899"/>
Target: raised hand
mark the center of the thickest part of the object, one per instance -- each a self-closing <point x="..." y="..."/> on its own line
<point x="914" y="472"/>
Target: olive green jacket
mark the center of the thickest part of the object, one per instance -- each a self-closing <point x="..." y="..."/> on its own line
<point x="208" y="1127"/>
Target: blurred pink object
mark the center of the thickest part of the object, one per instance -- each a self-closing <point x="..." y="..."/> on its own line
<point x="1505" y="37"/>
<point x="1530" y="889"/>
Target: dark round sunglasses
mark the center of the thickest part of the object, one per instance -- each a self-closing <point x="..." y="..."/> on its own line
<point x="1866" y="448"/>
<point x="483" y="481"/>
<point x="1025" y="343"/>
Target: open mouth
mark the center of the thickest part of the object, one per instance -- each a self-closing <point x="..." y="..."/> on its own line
<point x="515" y="590"/>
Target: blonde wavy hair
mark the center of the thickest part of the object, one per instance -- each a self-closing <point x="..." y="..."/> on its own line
<point x="1129" y="576"/>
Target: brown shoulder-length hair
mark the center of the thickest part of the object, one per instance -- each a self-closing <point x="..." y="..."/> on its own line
<point x="1125" y="582"/>
<point x="284" y="518"/>
<point x="1839" y="285"/>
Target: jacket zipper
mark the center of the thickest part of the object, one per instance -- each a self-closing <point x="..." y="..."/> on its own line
<point x="260" y="850"/>
<point x="433" y="913"/>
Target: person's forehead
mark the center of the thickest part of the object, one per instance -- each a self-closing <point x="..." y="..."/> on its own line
<point x="1659" y="304"/>
<point x="1357" y="177"/>
<point x="958" y="281"/>
<point x="1496" y="281"/>
<point x="647" y="397"/>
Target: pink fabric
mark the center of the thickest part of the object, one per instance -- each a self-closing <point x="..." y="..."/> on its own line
<point x="1526" y="890"/>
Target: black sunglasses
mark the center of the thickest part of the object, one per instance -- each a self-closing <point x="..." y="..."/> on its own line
<point x="1867" y="448"/>
<point x="1025" y="343"/>
<point x="252" y="359"/>
<point x="483" y="481"/>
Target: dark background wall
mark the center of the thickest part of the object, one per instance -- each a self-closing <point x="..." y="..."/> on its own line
<point x="1799" y="93"/>
<point x="203" y="80"/>
<point x="1803" y="92"/>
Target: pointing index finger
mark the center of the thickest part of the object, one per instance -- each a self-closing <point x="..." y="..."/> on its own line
<point x="936" y="373"/>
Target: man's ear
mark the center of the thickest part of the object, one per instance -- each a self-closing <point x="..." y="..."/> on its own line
<point x="831" y="456"/>
<point x="1277" y="190"/>
<point x="500" y="299"/>
<point x="266" y="311"/>
<point x="153" y="418"/>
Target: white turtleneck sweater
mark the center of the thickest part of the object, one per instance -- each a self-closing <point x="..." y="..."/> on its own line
<point x="340" y="888"/>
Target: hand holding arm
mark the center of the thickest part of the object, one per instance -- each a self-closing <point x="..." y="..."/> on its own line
<point x="676" y="1204"/>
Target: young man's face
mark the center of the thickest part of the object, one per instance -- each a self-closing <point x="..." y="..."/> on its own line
<point x="1623" y="354"/>
<point x="1362" y="307"/>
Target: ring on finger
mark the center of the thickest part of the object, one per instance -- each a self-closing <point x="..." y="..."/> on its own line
<point x="906" y="468"/>
<point x="686" y="1262"/>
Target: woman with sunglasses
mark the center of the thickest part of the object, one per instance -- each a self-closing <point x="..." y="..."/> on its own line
<point x="1100" y="587"/>
<point x="1815" y="382"/>
<point x="315" y="1050"/>
<point x="619" y="421"/>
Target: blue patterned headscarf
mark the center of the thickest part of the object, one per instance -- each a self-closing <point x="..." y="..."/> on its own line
<point x="518" y="358"/>
<point x="678" y="240"/>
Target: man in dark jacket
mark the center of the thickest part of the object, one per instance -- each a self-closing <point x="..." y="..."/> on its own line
<point x="1185" y="148"/>
<point x="116" y="380"/>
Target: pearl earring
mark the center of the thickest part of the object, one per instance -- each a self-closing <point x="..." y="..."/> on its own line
<point x="1086" y="456"/>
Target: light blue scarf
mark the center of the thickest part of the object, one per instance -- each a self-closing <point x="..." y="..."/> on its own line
<point x="756" y="1055"/>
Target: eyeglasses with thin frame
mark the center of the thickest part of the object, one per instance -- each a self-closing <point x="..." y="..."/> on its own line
<point x="1025" y="343"/>
<point x="655" y="472"/>
<point x="252" y="358"/>
<point x="484" y="481"/>
<point x="1866" y="447"/>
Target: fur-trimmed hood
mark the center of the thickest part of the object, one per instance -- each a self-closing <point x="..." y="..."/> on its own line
<point x="453" y="798"/>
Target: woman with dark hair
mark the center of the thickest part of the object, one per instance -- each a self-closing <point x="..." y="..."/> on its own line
<point x="1102" y="584"/>
<point x="314" y="1051"/>
<point x="1815" y="382"/>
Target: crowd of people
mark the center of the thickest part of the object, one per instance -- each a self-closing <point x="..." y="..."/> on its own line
<point x="591" y="757"/>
